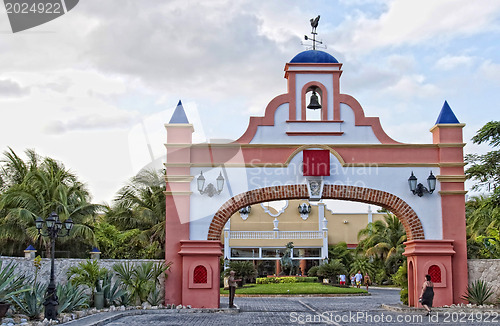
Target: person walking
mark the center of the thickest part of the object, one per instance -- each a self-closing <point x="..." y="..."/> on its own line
<point x="427" y="295"/>
<point x="232" y="288"/>
<point x="342" y="279"/>
<point x="353" y="282"/>
<point x="359" y="278"/>
<point x="367" y="280"/>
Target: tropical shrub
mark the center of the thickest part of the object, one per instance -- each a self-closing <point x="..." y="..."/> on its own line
<point x="30" y="302"/>
<point x="244" y="269"/>
<point x="140" y="280"/>
<point x="112" y="290"/>
<point x="401" y="280"/>
<point x="332" y="270"/>
<point x="71" y="298"/>
<point x="156" y="297"/>
<point x="313" y="271"/>
<point x="362" y="264"/>
<point x="10" y="283"/>
<point x="306" y="279"/>
<point x="478" y="292"/>
<point x="89" y="274"/>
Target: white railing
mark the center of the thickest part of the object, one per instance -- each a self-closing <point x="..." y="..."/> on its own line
<point x="275" y="235"/>
<point x="300" y="234"/>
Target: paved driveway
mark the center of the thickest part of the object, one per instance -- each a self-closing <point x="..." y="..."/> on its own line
<point x="364" y="310"/>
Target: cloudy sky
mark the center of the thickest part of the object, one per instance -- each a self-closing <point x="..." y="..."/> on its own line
<point x="94" y="87"/>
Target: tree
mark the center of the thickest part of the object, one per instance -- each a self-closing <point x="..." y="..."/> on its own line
<point x="340" y="251"/>
<point x="244" y="269"/>
<point x="140" y="205"/>
<point x="383" y="239"/>
<point x="485" y="169"/>
<point x="35" y="188"/>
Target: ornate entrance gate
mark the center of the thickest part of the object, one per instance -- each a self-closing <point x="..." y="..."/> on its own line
<point x="336" y="154"/>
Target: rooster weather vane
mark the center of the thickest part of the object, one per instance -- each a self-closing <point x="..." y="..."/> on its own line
<point x="314" y="25"/>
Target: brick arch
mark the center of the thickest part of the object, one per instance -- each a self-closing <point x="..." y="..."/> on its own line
<point x="396" y="205"/>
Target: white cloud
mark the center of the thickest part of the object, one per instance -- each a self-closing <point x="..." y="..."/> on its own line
<point x="11" y="88"/>
<point x="449" y="62"/>
<point x="417" y="22"/>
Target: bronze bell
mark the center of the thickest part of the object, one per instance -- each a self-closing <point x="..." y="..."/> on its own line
<point x="314" y="104"/>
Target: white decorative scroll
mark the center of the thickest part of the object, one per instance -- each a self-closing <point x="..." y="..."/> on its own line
<point x="280" y="206"/>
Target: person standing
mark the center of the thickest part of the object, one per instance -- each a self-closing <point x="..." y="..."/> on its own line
<point x="232" y="288"/>
<point x="367" y="280"/>
<point x="427" y="295"/>
<point x="359" y="278"/>
<point x="342" y="279"/>
<point x="353" y="282"/>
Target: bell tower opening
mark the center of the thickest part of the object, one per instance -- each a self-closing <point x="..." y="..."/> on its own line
<point x="314" y="97"/>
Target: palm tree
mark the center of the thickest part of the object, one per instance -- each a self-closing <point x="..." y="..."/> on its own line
<point x="37" y="187"/>
<point x="140" y="204"/>
<point x="383" y="239"/>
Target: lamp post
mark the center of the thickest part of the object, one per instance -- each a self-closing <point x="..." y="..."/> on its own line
<point x="53" y="228"/>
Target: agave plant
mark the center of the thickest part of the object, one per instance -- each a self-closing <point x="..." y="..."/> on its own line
<point x="71" y="298"/>
<point x="141" y="279"/>
<point x="155" y="297"/>
<point x="10" y="283"/>
<point x="112" y="290"/>
<point x="30" y="302"/>
<point x="478" y="292"/>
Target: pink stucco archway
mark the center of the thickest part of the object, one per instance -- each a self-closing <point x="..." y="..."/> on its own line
<point x="396" y="205"/>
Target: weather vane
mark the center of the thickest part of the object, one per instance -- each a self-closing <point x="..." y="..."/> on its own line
<point x="314" y="25"/>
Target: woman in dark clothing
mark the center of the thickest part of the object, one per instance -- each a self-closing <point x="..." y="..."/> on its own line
<point x="427" y="294"/>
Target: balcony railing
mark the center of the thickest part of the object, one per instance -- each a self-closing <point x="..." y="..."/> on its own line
<point x="244" y="235"/>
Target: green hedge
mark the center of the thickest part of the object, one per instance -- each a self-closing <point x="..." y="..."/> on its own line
<point x="268" y="280"/>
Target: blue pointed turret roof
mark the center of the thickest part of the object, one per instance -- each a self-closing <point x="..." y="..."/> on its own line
<point x="30" y="248"/>
<point x="179" y="115"/>
<point x="446" y="115"/>
<point x="95" y="250"/>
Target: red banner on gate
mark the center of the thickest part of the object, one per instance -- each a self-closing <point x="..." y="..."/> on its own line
<point x="316" y="162"/>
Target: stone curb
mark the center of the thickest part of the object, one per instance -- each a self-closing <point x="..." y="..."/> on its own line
<point x="297" y="295"/>
<point x="107" y="317"/>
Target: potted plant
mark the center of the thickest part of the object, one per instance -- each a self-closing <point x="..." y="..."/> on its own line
<point x="10" y="285"/>
<point x="89" y="273"/>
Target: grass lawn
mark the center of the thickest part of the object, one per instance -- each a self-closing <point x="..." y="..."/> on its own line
<point x="295" y="288"/>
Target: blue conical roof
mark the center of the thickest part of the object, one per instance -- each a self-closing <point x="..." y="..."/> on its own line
<point x="446" y="115"/>
<point x="31" y="248"/>
<point x="179" y="115"/>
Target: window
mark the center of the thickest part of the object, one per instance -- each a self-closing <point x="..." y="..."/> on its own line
<point x="244" y="252"/>
<point x="200" y="274"/>
<point x="435" y="273"/>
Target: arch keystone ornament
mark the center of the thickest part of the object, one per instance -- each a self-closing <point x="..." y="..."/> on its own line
<point x="344" y="155"/>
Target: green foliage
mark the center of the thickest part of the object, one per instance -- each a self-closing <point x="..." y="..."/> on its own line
<point x="478" y="292"/>
<point x="306" y="279"/>
<point x="71" y="298"/>
<point x="156" y="297"/>
<point x="243" y="269"/>
<point x="37" y="187"/>
<point x="140" y="206"/>
<point x="141" y="279"/>
<point x="485" y="169"/>
<point x="10" y="283"/>
<point x="401" y="280"/>
<point x="30" y="302"/>
<point x="362" y="264"/>
<point x="87" y="273"/>
<point x="271" y="280"/>
<point x="381" y="276"/>
<point x="332" y="270"/>
<point x="313" y="271"/>
<point x="340" y="251"/>
<point x="294" y="288"/>
<point x="112" y="290"/>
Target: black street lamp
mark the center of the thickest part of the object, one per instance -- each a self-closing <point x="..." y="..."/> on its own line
<point x="52" y="228"/>
<point x="418" y="188"/>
